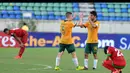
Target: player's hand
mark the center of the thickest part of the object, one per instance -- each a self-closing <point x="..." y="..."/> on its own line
<point x="74" y="15"/>
<point x="81" y="15"/>
<point x="81" y="26"/>
<point x="21" y="45"/>
<point x="89" y="18"/>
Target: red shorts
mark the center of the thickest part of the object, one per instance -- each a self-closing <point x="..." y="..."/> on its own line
<point x="25" y="38"/>
<point x="119" y="62"/>
<point x="110" y="63"/>
<point x="122" y="63"/>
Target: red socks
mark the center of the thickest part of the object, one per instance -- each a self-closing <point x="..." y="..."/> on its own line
<point x="21" y="51"/>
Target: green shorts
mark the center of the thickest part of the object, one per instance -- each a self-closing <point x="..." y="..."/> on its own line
<point x="69" y="47"/>
<point x="118" y="67"/>
<point x="91" y="47"/>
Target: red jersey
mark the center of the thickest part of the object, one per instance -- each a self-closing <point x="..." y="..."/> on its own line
<point x="19" y="32"/>
<point x="116" y="56"/>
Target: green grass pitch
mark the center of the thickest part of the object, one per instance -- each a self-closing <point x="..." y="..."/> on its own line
<point x="42" y="60"/>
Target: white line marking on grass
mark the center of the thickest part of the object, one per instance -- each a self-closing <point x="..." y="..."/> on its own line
<point x="44" y="67"/>
<point x="47" y="67"/>
<point x="32" y="69"/>
<point x="35" y="69"/>
<point x="21" y="63"/>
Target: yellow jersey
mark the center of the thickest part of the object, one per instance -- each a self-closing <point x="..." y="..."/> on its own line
<point x="92" y="32"/>
<point x="25" y="28"/>
<point x="66" y="32"/>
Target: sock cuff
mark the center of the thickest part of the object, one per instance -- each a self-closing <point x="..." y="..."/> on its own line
<point x="74" y="59"/>
<point x="57" y="58"/>
<point x="85" y="59"/>
<point x="96" y="60"/>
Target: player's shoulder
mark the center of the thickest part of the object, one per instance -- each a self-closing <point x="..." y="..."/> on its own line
<point x="97" y="22"/>
<point x="66" y="21"/>
<point x="62" y="21"/>
<point x="71" y="22"/>
<point x="11" y="31"/>
<point x="24" y="26"/>
<point x="111" y="48"/>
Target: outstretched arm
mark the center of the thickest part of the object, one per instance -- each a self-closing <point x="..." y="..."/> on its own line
<point x="74" y="15"/>
<point x="80" y="22"/>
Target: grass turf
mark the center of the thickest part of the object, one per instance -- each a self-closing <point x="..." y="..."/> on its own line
<point x="36" y="60"/>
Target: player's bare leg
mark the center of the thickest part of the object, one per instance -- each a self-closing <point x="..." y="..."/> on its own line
<point x="58" y="58"/>
<point x="86" y="61"/>
<point x="75" y="60"/>
<point x="95" y="61"/>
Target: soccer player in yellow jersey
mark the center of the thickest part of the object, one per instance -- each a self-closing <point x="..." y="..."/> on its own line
<point x="66" y="41"/>
<point x="92" y="39"/>
<point x="25" y="27"/>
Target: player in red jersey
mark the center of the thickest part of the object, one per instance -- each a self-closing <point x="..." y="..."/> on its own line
<point x="21" y="36"/>
<point x="115" y="60"/>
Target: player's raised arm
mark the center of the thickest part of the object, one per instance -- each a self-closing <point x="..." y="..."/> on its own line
<point x="74" y="16"/>
<point x="92" y="18"/>
<point x="92" y="23"/>
<point x="80" y="22"/>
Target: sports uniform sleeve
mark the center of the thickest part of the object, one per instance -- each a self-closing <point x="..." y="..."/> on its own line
<point x="86" y="24"/>
<point x="97" y="24"/>
<point x="11" y="32"/>
<point x="72" y="24"/>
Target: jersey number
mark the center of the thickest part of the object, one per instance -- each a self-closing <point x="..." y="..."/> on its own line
<point x="62" y="30"/>
<point x="118" y="52"/>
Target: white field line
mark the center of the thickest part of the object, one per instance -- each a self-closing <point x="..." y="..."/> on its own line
<point x="44" y="66"/>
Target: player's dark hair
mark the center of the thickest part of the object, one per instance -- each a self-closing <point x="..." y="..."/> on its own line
<point x="6" y="29"/>
<point x="105" y="49"/>
<point x="67" y="14"/>
<point x="24" y="23"/>
<point x="93" y="13"/>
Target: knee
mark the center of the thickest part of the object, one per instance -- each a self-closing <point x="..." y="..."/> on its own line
<point x="60" y="54"/>
<point x="74" y="55"/>
<point x="86" y="55"/>
<point x="104" y="63"/>
<point x="95" y="56"/>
